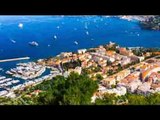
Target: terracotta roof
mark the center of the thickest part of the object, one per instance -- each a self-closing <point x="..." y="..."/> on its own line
<point x="154" y="86"/>
<point x="147" y="72"/>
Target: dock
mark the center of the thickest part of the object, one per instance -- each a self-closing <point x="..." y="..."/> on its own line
<point x="15" y="59"/>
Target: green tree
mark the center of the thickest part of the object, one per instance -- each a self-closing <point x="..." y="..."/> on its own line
<point x="99" y="77"/>
<point x="134" y="99"/>
<point x="108" y="99"/>
<point x="74" y="90"/>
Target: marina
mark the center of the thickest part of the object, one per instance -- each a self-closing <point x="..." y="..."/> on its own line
<point x="27" y="70"/>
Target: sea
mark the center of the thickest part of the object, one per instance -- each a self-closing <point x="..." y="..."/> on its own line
<point x="72" y="33"/>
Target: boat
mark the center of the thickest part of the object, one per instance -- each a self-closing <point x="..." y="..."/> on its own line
<point x="58" y="27"/>
<point x="86" y="27"/>
<point x="49" y="45"/>
<point x="1" y="69"/>
<point x="33" y="43"/>
<point x="10" y="73"/>
<point x="55" y="37"/>
<point x="87" y="33"/>
<point x="75" y="42"/>
<point x="13" y="41"/>
<point x="20" y="25"/>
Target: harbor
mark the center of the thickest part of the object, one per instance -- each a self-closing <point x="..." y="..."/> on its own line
<point x="25" y="74"/>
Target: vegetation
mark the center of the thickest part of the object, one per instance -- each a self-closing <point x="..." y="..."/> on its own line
<point x="113" y="47"/>
<point x="96" y="69"/>
<point x="110" y="72"/>
<point x="108" y="99"/>
<point x="72" y="64"/>
<point x="138" y="52"/>
<point x="129" y="99"/>
<point x="74" y="90"/>
<point x="109" y="62"/>
<point x="141" y="51"/>
<point x="99" y="77"/>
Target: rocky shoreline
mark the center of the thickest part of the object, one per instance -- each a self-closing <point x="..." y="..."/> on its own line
<point x="150" y="22"/>
<point x="135" y="17"/>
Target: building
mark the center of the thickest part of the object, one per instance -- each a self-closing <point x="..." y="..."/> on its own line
<point x="132" y="86"/>
<point x="110" y="53"/>
<point x="66" y="54"/>
<point x="81" y="51"/>
<point x="144" y="88"/>
<point x="108" y="82"/>
<point x="145" y="74"/>
<point x="125" y="60"/>
<point x="141" y="58"/>
<point x="121" y="75"/>
<point x="124" y="51"/>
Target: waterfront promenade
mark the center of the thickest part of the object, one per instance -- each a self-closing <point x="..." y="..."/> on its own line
<point x="15" y="59"/>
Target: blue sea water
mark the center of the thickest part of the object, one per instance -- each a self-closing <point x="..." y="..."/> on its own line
<point x="71" y="28"/>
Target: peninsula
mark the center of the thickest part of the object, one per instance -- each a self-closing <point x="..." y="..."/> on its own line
<point x="90" y="74"/>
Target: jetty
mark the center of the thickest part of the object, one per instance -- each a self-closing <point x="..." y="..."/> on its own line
<point x="15" y="59"/>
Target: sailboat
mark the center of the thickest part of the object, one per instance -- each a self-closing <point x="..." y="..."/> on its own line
<point x="33" y="43"/>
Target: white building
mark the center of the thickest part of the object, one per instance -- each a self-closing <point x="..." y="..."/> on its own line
<point x="144" y="88"/>
<point x="125" y="60"/>
<point x="132" y="87"/>
<point x="81" y="51"/>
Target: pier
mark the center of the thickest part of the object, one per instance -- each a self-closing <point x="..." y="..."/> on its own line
<point x="15" y="59"/>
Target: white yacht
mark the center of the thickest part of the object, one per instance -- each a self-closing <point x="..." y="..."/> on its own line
<point x="75" y="42"/>
<point x="86" y="26"/>
<point x="13" y="41"/>
<point x="55" y="37"/>
<point x="20" y="25"/>
<point x="87" y="33"/>
<point x="1" y="69"/>
<point x="33" y="43"/>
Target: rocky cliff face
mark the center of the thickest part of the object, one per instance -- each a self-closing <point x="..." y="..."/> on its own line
<point x="152" y="23"/>
<point x="136" y="17"/>
<point x="146" y="21"/>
